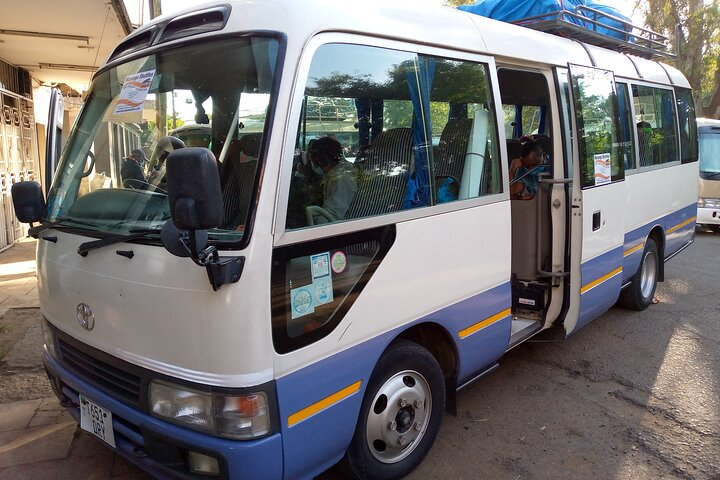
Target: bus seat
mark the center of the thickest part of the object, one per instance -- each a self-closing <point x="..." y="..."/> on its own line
<point x="452" y="149"/>
<point x="513" y="149"/>
<point x="383" y="174"/>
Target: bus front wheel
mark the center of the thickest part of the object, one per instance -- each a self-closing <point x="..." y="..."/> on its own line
<point x="639" y="294"/>
<point x="400" y="414"/>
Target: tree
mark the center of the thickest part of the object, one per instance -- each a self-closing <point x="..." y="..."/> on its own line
<point x="693" y="27"/>
<point x="456" y="3"/>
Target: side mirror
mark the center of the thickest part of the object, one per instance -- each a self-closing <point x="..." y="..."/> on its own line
<point x="28" y="201"/>
<point x="193" y="185"/>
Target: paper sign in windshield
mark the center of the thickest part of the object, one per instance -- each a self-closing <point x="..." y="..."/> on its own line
<point x="602" y="168"/>
<point x="133" y="93"/>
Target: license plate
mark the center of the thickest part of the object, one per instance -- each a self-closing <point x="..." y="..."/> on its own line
<point x="96" y="420"/>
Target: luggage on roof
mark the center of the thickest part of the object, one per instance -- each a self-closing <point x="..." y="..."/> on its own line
<point x="584" y="20"/>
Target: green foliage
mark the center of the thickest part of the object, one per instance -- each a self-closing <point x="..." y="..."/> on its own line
<point x="693" y="27"/>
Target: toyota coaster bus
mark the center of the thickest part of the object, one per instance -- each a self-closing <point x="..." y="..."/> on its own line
<point x="207" y="312"/>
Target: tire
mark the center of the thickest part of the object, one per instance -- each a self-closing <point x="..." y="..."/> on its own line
<point x="394" y="432"/>
<point x="639" y="294"/>
<point x="714" y="228"/>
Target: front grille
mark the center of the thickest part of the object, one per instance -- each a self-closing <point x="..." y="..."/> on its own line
<point x="116" y="382"/>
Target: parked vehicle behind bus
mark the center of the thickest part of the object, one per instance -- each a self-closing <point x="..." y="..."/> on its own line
<point x="241" y="316"/>
<point x="709" y="190"/>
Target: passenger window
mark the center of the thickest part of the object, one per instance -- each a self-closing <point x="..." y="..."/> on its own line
<point x="425" y="132"/>
<point x="625" y="147"/>
<point x="656" y="125"/>
<point x="688" y="125"/>
<point x="528" y="123"/>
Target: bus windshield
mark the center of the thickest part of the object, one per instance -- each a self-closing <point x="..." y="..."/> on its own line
<point x="709" y="153"/>
<point x="111" y="176"/>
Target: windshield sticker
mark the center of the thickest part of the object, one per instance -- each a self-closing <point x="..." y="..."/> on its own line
<point x="301" y="301"/>
<point x="602" y="168"/>
<point x="338" y="262"/>
<point x="323" y="291"/>
<point x="320" y="264"/>
<point x="133" y="93"/>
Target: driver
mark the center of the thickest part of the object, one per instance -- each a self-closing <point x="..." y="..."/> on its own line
<point x="131" y="171"/>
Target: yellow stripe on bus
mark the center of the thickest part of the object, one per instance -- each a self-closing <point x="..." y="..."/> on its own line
<point x="633" y="249"/>
<point x="600" y="280"/>
<point x="679" y="226"/>
<point x="485" y="323"/>
<point x="326" y="402"/>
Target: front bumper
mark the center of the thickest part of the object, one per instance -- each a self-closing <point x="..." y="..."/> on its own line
<point x="160" y="448"/>
<point x="708" y="216"/>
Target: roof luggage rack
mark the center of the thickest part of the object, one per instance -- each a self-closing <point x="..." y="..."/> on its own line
<point x="592" y="26"/>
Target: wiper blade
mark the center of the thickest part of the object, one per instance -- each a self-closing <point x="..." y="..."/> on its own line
<point x="710" y="174"/>
<point x="63" y="221"/>
<point x="84" y="248"/>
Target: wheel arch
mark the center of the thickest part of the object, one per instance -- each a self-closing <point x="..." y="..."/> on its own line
<point x="437" y="340"/>
<point x="657" y="234"/>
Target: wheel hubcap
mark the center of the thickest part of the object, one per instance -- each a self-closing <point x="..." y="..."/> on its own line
<point x="398" y="417"/>
<point x="648" y="274"/>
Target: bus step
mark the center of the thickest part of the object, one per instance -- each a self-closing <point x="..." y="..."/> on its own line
<point x="522" y="329"/>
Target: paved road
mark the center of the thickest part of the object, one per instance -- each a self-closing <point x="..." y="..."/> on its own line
<point x="634" y="395"/>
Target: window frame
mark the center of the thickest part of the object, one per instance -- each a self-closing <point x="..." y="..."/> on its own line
<point x="633" y="126"/>
<point x="659" y="86"/>
<point x="283" y="236"/>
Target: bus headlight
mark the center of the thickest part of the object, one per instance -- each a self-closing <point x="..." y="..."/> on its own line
<point x="48" y="338"/>
<point x="240" y="417"/>
<point x="709" y="203"/>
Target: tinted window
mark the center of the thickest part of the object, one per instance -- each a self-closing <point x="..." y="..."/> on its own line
<point x="656" y="125"/>
<point x="413" y="131"/>
<point x="688" y="125"/>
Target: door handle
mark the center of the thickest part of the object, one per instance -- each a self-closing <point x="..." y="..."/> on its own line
<point x="597" y="219"/>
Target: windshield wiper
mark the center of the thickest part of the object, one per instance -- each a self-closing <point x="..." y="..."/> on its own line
<point x="84" y="248"/>
<point x="60" y="222"/>
<point x="710" y="174"/>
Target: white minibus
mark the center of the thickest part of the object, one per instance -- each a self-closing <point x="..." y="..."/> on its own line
<point x="272" y="306"/>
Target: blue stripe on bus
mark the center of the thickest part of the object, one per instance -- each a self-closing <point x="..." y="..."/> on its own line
<point x="635" y="239"/>
<point x="600" y="285"/>
<point x="320" y="403"/>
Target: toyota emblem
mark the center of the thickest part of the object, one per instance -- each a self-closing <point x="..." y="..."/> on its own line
<point x="85" y="316"/>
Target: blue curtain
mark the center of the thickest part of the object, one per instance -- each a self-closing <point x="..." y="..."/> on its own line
<point x="543" y="115"/>
<point x="419" y="191"/>
<point x="376" y="126"/>
<point x="518" y="130"/>
<point x="363" y="114"/>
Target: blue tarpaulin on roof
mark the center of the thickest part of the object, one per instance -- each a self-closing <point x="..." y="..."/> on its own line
<point x="514" y="10"/>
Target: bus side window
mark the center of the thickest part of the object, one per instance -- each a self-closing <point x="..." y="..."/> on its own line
<point x="424" y="127"/>
<point x="656" y="125"/>
<point x="625" y="142"/>
<point x="688" y="125"/>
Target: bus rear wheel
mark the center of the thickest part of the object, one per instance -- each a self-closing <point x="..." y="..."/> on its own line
<point x="400" y="415"/>
<point x="639" y="294"/>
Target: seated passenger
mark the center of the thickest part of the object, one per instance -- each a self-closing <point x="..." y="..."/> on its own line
<point x="131" y="172"/>
<point x="339" y="180"/>
<point x="524" y="171"/>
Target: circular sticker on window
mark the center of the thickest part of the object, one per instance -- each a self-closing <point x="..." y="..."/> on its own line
<point x="338" y="262"/>
<point x="302" y="302"/>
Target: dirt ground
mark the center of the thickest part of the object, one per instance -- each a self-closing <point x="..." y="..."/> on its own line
<point x="632" y="396"/>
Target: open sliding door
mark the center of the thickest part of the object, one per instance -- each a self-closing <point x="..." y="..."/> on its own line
<point x="598" y="197"/>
